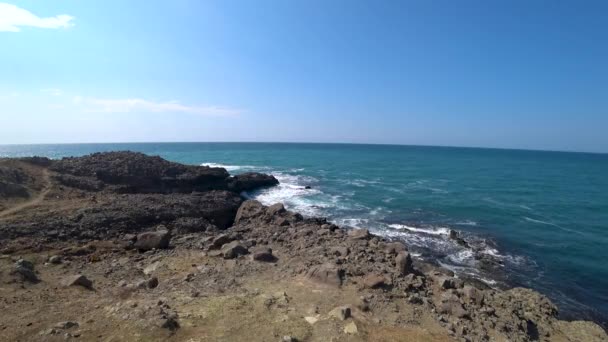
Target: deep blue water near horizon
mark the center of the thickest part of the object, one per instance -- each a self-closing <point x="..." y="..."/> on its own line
<point x="544" y="215"/>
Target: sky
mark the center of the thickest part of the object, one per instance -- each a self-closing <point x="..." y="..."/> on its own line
<point x="507" y="74"/>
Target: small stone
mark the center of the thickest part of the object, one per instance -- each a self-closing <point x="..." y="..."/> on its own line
<point x="220" y="240"/>
<point x="151" y="268"/>
<point x="152" y="283"/>
<point x="78" y="280"/>
<point x="66" y="325"/>
<point x="170" y="323"/>
<point x="341" y="312"/>
<point x="351" y="328"/>
<point x="363" y="304"/>
<point x="311" y="319"/>
<point x="55" y="259"/>
<point x="263" y="254"/>
<point x="289" y="339"/>
<point x="26" y="270"/>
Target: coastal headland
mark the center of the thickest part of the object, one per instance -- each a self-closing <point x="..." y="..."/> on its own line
<point x="121" y="246"/>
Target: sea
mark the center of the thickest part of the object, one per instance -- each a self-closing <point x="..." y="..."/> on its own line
<point x="542" y="215"/>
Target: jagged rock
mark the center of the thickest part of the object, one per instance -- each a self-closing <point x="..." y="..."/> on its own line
<point x="153" y="240"/>
<point x="582" y="331"/>
<point x="359" y="234"/>
<point x="263" y="254"/>
<point x="249" y="210"/>
<point x="403" y="261"/>
<point x="450" y="304"/>
<point x="233" y="250"/>
<point x="326" y="274"/>
<point x="139" y="173"/>
<point x="78" y="280"/>
<point x="395" y="248"/>
<point x="413" y="282"/>
<point x="275" y="209"/>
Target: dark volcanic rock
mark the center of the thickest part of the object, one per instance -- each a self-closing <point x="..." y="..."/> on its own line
<point x="250" y="181"/>
<point x="140" y="173"/>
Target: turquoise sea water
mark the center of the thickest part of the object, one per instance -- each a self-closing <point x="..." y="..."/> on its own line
<point x="543" y="214"/>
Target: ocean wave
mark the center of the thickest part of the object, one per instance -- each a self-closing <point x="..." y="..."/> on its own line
<point x="229" y="167"/>
<point x="430" y="231"/>
<point x="466" y="223"/>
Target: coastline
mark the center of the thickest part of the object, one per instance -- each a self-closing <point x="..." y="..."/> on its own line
<point x="102" y="214"/>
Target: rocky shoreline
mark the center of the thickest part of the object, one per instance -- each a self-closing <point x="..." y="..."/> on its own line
<point x="124" y="246"/>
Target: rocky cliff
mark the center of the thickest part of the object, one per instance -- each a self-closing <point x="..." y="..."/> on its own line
<point x="123" y="246"/>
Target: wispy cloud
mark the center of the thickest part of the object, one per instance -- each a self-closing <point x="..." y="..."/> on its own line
<point x="52" y="91"/>
<point x="141" y="105"/>
<point x="12" y="18"/>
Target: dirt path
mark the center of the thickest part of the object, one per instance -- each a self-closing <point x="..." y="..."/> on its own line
<point x="34" y="201"/>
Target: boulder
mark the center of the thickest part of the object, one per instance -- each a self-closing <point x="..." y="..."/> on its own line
<point x="359" y="234"/>
<point x="233" y="250"/>
<point x="153" y="240"/>
<point x="263" y="254"/>
<point x="328" y="274"/>
<point x="248" y="210"/>
<point x="78" y="280"/>
<point x="403" y="261"/>
<point x="275" y="209"/>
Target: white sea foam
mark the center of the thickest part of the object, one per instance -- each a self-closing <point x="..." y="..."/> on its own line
<point x="466" y="223"/>
<point x="229" y="167"/>
<point x="430" y="231"/>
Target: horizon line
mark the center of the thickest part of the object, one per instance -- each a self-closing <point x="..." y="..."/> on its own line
<point x="308" y="142"/>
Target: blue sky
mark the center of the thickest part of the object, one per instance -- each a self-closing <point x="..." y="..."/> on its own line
<point x="514" y="74"/>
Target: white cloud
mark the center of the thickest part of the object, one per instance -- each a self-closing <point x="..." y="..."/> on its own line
<point x="12" y="18"/>
<point x="52" y="91"/>
<point x="141" y="105"/>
